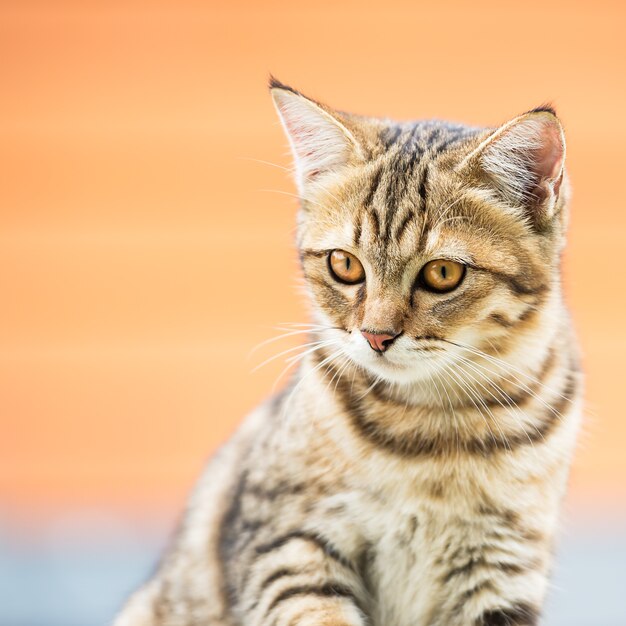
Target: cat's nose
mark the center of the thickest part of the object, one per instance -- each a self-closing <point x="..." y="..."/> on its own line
<point x="379" y="341"/>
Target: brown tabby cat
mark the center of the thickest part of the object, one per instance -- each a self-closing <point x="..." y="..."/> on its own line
<point x="411" y="473"/>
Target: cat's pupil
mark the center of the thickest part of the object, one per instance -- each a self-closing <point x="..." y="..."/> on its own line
<point x="444" y="272"/>
<point x="348" y="264"/>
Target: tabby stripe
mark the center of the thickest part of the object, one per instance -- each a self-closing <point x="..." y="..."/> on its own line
<point x="505" y="322"/>
<point x="408" y="218"/>
<point x="373" y="187"/>
<point x="409" y="165"/>
<point x="308" y="252"/>
<point x="328" y="590"/>
<point x="430" y="140"/>
<point x="514" y="284"/>
<point x="375" y="222"/>
<point x="527" y="314"/>
<point x="482" y="563"/>
<point x="280" y="488"/>
<point x="360" y="295"/>
<point x="554" y="414"/>
<point x="521" y="614"/>
<point x="358" y="227"/>
<point x="440" y="148"/>
<point x="502" y="398"/>
<point x="388" y="217"/>
<point x="273" y="577"/>
<point x="408" y="147"/>
<point x="229" y="538"/>
<point x="277" y="575"/>
<point x="330" y="551"/>
<point x="464" y="299"/>
<point x="408" y="155"/>
<point x="502" y="320"/>
<point x="422" y="188"/>
<point x="392" y="197"/>
<point x="479" y="588"/>
<point x="566" y="397"/>
<point x="338" y="298"/>
<point x="515" y="281"/>
<point x="412" y="443"/>
<point x="525" y="290"/>
<point x="390" y="135"/>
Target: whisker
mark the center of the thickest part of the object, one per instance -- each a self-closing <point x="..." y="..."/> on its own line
<point x="520" y="385"/>
<point x="452" y="219"/>
<point x="317" y="344"/>
<point x="266" y="342"/>
<point x="292" y="361"/>
<point x="287" y="367"/>
<point x="338" y="373"/>
<point x="376" y="381"/>
<point x="311" y="372"/>
<point x="447" y="369"/>
<point x="514" y="380"/>
<point x="436" y="387"/>
<point x="474" y="396"/>
<point x="280" y="167"/>
<point x="292" y="195"/>
<point x="508" y="409"/>
<point x="508" y="366"/>
<point x="445" y="211"/>
<point x="308" y="325"/>
<point x="517" y="419"/>
<point x="444" y="387"/>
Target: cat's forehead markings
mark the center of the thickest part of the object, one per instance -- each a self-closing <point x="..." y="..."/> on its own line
<point x="446" y="247"/>
<point x="432" y="240"/>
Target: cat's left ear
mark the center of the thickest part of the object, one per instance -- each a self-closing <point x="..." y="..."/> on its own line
<point x="524" y="160"/>
<point x="320" y="142"/>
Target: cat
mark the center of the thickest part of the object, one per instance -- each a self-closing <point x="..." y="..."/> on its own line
<point x="412" y="471"/>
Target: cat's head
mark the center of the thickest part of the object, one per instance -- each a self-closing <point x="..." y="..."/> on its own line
<point x="423" y="241"/>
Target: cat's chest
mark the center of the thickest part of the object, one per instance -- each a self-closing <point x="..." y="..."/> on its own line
<point x="410" y="535"/>
<point x="400" y="563"/>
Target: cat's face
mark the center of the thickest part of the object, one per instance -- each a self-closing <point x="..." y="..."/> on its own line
<point x="422" y="242"/>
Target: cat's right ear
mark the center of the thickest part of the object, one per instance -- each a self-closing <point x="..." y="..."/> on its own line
<point x="523" y="161"/>
<point x="320" y="142"/>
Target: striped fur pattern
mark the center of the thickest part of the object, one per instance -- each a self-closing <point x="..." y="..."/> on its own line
<point x="419" y="486"/>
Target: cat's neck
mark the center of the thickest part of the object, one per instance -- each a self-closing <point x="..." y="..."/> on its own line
<point x="493" y="406"/>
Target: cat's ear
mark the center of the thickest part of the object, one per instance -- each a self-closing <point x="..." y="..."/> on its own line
<point x="524" y="160"/>
<point x="320" y="142"/>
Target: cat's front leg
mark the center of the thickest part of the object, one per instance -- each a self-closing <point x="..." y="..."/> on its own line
<point x="495" y="576"/>
<point x="501" y="599"/>
<point x="300" y="579"/>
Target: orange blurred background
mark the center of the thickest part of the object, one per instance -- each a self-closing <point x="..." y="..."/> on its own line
<point x="145" y="246"/>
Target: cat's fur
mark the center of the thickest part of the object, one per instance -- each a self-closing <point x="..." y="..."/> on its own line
<point x="419" y="487"/>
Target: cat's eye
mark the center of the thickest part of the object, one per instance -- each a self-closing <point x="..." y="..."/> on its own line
<point x="442" y="275"/>
<point x="345" y="267"/>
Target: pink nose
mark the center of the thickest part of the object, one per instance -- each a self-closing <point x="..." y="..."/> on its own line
<point x="378" y="341"/>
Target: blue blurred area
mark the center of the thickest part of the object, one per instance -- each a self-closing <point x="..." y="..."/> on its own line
<point x="78" y="571"/>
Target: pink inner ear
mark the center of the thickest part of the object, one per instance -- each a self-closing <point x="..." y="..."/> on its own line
<point x="548" y="161"/>
<point x="301" y="137"/>
<point x="297" y="132"/>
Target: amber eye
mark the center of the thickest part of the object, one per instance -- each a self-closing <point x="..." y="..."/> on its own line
<point x="442" y="275"/>
<point x="345" y="267"/>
